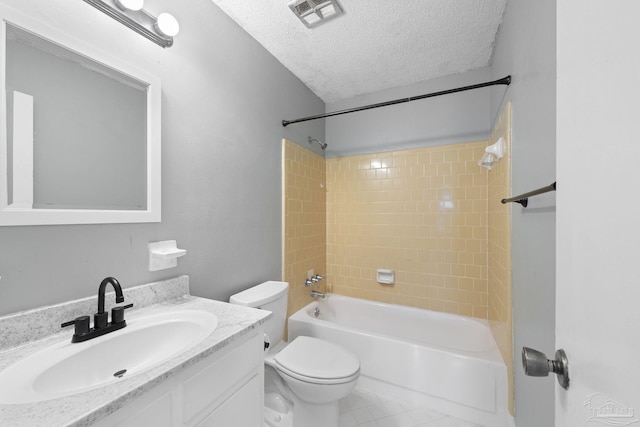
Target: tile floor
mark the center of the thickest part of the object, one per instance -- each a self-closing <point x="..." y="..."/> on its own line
<point x="364" y="408"/>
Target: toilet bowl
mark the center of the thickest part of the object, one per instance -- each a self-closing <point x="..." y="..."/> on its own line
<point x="312" y="374"/>
<point x="318" y="374"/>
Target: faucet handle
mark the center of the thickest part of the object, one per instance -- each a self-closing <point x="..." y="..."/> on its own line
<point x="318" y="277"/>
<point x="81" y="325"/>
<point x="117" y="313"/>
<point x="69" y="323"/>
<point x="308" y="282"/>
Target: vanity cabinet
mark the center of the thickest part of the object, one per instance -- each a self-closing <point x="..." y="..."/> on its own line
<point x="224" y="389"/>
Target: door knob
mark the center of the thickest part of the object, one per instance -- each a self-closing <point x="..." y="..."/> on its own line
<point x="536" y="364"/>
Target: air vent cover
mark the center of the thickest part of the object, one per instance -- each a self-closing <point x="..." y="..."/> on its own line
<point x="315" y="12"/>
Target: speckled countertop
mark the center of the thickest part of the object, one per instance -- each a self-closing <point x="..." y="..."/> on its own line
<point x="25" y="333"/>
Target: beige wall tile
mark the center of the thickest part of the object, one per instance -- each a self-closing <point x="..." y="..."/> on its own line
<point x="420" y="212"/>
<point x="304" y="220"/>
<point x="499" y="233"/>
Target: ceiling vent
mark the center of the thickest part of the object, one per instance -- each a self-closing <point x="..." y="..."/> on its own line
<point x="315" y="12"/>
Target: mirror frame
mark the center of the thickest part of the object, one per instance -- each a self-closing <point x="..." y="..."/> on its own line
<point x="22" y="216"/>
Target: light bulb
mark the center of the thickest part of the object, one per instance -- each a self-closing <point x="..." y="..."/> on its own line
<point x="167" y="25"/>
<point x="129" y="4"/>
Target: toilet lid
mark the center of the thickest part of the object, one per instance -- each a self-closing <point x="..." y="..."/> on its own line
<point x="315" y="358"/>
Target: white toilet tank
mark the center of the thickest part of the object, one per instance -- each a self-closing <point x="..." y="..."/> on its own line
<point x="270" y="296"/>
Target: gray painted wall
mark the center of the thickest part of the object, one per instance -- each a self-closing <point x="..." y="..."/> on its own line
<point x="526" y="49"/>
<point x="460" y="117"/>
<point x="223" y="99"/>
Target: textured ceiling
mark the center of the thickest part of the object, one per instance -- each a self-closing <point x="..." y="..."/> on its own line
<point x="376" y="44"/>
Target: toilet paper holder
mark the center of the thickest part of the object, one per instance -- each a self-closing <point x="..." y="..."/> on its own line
<point x="536" y="364"/>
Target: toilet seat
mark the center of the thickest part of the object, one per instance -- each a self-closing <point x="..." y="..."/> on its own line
<point x="317" y="361"/>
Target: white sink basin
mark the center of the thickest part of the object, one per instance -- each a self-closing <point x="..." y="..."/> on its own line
<point x="64" y="368"/>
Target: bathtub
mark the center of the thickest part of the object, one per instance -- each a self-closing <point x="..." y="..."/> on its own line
<point x="447" y="362"/>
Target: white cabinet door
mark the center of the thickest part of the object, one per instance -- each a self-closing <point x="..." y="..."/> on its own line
<point x="225" y="389"/>
<point x="206" y="388"/>
<point x="239" y="409"/>
<point x="158" y="413"/>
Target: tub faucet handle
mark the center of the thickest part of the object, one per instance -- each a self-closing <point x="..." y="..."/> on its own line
<point x="308" y="282"/>
<point x="318" y="277"/>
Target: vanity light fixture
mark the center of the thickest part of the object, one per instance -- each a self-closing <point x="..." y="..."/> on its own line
<point x="130" y="13"/>
<point x="129" y="4"/>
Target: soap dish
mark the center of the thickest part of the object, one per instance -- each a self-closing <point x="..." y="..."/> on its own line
<point x="164" y="255"/>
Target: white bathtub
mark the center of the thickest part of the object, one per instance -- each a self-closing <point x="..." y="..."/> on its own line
<point x="448" y="362"/>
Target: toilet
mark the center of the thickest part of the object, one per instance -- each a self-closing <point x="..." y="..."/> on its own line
<point x="304" y="379"/>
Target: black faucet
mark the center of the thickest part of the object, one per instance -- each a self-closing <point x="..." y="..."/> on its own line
<point x="100" y="319"/>
<point x="101" y="323"/>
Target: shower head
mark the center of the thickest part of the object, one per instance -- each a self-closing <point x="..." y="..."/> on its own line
<point x="323" y="145"/>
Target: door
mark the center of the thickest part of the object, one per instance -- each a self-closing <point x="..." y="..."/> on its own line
<point x="598" y="211"/>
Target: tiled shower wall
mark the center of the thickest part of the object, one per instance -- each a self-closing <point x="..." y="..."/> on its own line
<point x="499" y="260"/>
<point x="304" y="220"/>
<point x="430" y="214"/>
<point x="420" y="212"/>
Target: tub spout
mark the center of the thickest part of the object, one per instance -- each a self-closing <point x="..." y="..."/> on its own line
<point x="318" y="294"/>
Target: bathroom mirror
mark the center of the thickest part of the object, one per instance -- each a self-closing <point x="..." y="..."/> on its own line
<point x="80" y="138"/>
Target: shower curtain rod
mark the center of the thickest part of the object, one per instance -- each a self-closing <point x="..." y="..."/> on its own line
<point x="503" y="81"/>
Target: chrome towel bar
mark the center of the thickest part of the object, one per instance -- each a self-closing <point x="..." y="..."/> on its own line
<point x="523" y="199"/>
